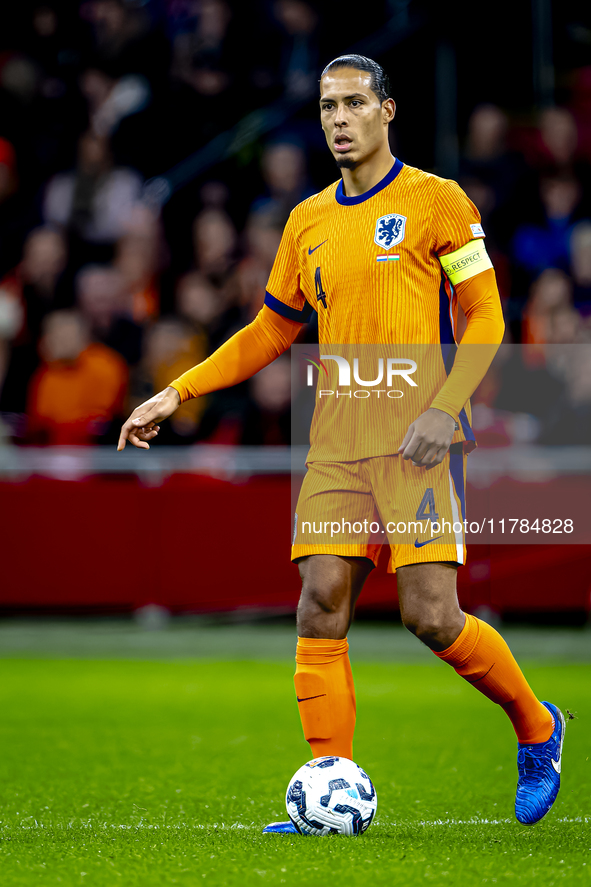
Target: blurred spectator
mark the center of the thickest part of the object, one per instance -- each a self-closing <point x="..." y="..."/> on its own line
<point x="35" y="287"/>
<point x="139" y="258"/>
<point x="172" y="348"/>
<point x="214" y="239"/>
<point x="214" y="195"/>
<point x="95" y="201"/>
<point x="11" y="321"/>
<point x="568" y="421"/>
<point x="111" y="100"/>
<point x="19" y="78"/>
<point x="200" y="55"/>
<point x="36" y="281"/>
<point x="57" y="42"/>
<point x="262" y="236"/>
<point x="136" y="266"/>
<point x="486" y="158"/>
<point x="8" y="174"/>
<point x="489" y="171"/>
<point x="299" y="48"/>
<point x="580" y="248"/>
<point x="198" y="301"/>
<point x="38" y="115"/>
<point x="125" y="40"/>
<point x="106" y="305"/>
<point x="207" y="309"/>
<point x="267" y="421"/>
<point x="12" y="223"/>
<point x="283" y="166"/>
<point x="547" y="245"/>
<point x="550" y="296"/>
<point x="553" y="143"/>
<point x="207" y="55"/>
<point x="79" y="389"/>
<point x="580" y="105"/>
<point x="558" y="132"/>
<point x="564" y="326"/>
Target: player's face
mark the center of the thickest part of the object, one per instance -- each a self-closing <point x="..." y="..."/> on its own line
<point x="354" y="120"/>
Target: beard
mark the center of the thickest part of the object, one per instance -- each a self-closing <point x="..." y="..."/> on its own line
<point x="346" y="163"/>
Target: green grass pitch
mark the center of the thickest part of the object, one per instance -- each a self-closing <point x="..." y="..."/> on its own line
<point x="129" y="772"/>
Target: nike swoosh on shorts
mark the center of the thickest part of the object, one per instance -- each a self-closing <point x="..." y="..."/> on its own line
<point x="427" y="542"/>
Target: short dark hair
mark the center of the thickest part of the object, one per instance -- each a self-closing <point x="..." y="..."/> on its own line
<point x="380" y="83"/>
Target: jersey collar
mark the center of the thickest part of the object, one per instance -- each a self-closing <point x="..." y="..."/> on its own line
<point x="351" y="201"/>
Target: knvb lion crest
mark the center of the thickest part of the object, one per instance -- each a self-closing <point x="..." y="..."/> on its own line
<point x="390" y="230"/>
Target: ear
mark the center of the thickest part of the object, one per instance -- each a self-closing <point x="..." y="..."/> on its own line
<point x="388" y="110"/>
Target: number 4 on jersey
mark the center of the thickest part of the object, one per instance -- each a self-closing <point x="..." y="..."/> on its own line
<point x="320" y="294"/>
<point x="427" y="502"/>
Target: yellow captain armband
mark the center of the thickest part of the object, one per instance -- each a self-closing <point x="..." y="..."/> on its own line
<point x="467" y="261"/>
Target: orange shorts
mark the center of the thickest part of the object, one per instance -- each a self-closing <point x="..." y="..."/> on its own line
<point x="352" y="509"/>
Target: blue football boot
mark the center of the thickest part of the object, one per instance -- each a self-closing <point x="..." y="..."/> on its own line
<point x="539" y="772"/>
<point x="281" y="828"/>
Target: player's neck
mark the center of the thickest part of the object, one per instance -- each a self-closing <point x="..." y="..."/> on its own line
<point x="367" y="174"/>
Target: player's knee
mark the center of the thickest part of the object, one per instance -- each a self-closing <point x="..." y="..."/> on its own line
<point x="435" y="632"/>
<point x="323" y="610"/>
<point x="325" y="598"/>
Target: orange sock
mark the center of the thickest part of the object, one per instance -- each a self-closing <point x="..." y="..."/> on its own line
<point x="326" y="695"/>
<point x="481" y="657"/>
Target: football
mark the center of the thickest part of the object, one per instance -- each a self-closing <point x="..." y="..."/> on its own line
<point x="331" y="796"/>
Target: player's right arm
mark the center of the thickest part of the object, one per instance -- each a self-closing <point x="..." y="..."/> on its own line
<point x="247" y="352"/>
<point x="256" y="346"/>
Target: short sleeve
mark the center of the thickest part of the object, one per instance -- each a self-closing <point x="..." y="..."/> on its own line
<point x="455" y="220"/>
<point x="284" y="295"/>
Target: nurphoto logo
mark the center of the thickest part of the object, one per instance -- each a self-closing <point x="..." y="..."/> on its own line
<point x="388" y="371"/>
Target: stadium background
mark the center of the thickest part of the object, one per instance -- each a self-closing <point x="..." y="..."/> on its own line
<point x="150" y="153"/>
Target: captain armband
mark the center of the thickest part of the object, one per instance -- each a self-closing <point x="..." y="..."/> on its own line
<point x="467" y="261"/>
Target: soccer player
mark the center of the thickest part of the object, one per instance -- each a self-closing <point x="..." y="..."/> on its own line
<point x="336" y="257"/>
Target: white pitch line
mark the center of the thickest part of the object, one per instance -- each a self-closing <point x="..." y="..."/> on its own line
<point x="234" y="826"/>
<point x="484" y="821"/>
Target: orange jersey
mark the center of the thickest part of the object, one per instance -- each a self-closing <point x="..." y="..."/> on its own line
<point x="371" y="267"/>
<point x="386" y="286"/>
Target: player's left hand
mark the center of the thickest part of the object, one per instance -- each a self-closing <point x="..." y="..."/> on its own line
<point x="428" y="439"/>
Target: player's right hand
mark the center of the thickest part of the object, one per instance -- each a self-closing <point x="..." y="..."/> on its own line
<point x="142" y="425"/>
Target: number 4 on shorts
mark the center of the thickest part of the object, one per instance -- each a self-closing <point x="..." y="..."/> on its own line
<point x="426" y="510"/>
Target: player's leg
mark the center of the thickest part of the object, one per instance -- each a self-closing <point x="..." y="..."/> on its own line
<point x="323" y="680"/>
<point x="334" y="561"/>
<point x="430" y="609"/>
<point x="426" y="571"/>
<point x="324" y="686"/>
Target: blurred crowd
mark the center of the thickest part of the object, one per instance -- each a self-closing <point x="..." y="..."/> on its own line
<point x="104" y="298"/>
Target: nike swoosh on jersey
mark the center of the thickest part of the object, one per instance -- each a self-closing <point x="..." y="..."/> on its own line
<point x="427" y="542"/>
<point x="305" y="699"/>
<point x="310" y="250"/>
<point x="556" y="764"/>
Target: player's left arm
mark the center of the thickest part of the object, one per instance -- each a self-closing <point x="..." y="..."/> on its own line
<point x="429" y="436"/>
<point x="480" y="301"/>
